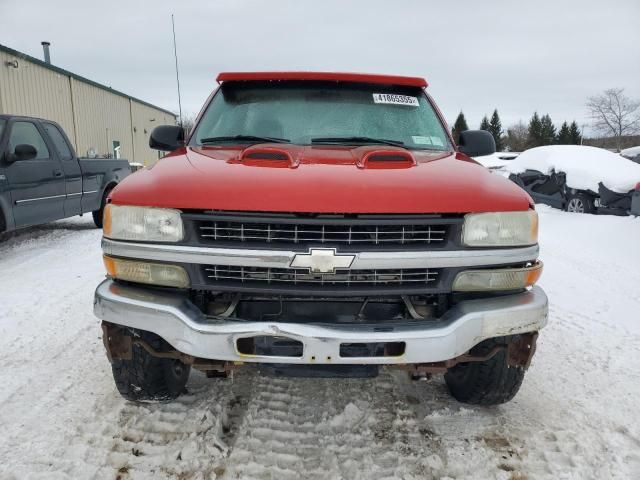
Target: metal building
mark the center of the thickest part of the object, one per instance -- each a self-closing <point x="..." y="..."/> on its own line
<point x="100" y="121"/>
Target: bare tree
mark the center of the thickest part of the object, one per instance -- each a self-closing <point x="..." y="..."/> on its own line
<point x="188" y="121"/>
<point x="517" y="137"/>
<point x="614" y="114"/>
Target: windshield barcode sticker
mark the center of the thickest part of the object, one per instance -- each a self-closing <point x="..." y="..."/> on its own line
<point x="395" y="99"/>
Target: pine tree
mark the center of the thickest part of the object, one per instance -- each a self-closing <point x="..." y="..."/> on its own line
<point x="547" y="130"/>
<point x="495" y="128"/>
<point x="459" y="127"/>
<point x="484" y="125"/>
<point x="535" y="131"/>
<point x="564" y="135"/>
<point x="574" y="132"/>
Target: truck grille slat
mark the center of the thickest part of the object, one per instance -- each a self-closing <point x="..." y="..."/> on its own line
<point x="295" y="276"/>
<point x="322" y="234"/>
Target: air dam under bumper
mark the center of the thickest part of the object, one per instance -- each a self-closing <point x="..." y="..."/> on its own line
<point x="173" y="317"/>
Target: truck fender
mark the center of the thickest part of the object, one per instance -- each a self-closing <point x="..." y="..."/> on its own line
<point x="107" y="189"/>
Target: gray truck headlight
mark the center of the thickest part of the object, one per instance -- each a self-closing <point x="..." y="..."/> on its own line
<point x="501" y="229"/>
<point x="145" y="224"/>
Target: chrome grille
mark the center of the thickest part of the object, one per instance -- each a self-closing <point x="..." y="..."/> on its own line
<point x="344" y="234"/>
<point x="292" y="276"/>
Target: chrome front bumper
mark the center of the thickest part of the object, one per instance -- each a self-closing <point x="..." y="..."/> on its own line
<point x="173" y="317"/>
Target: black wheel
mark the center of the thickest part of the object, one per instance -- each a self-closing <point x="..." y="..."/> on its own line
<point x="98" y="214"/>
<point x="491" y="382"/>
<point x="146" y="377"/>
<point x="580" y="203"/>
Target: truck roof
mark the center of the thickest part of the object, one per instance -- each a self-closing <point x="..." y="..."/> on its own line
<point x="327" y="76"/>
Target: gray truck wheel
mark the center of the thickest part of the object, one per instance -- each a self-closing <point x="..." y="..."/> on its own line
<point x="98" y="214"/>
<point x="491" y="382"/>
<point x="146" y="377"/>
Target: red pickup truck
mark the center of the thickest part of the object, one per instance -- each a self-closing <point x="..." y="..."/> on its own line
<point x="320" y="224"/>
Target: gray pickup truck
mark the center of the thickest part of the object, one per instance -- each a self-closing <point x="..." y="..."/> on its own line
<point x="42" y="179"/>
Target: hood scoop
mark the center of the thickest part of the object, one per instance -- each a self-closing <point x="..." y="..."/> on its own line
<point x="274" y="157"/>
<point x="387" y="158"/>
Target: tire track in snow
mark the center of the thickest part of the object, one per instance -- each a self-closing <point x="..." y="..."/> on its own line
<point x="329" y="428"/>
<point x="173" y="440"/>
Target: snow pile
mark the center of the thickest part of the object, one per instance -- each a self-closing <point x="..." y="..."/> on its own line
<point x="498" y="160"/>
<point x="585" y="167"/>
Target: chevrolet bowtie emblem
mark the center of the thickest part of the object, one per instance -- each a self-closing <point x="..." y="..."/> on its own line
<point x="322" y="260"/>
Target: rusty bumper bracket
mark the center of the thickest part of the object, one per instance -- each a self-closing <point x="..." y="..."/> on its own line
<point x="117" y="345"/>
<point x="120" y="347"/>
<point x="520" y="350"/>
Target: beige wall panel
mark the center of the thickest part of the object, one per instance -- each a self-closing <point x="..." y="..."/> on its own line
<point x="35" y="91"/>
<point x="144" y="120"/>
<point x="101" y="118"/>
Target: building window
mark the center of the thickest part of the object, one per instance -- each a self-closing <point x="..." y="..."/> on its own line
<point x="116" y="149"/>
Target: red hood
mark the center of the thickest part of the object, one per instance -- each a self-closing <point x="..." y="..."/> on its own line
<point x="320" y="179"/>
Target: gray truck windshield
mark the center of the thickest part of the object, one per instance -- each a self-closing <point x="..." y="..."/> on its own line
<point x="322" y="112"/>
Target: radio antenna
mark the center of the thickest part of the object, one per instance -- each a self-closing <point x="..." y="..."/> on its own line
<point x="175" y="54"/>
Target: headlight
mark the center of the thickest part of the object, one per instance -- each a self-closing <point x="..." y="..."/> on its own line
<point x="144" y="272"/>
<point x="503" y="229"/>
<point x="142" y="223"/>
<point x="497" y="279"/>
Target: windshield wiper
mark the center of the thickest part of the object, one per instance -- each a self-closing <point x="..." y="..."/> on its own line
<point x="245" y="138"/>
<point x="353" y="140"/>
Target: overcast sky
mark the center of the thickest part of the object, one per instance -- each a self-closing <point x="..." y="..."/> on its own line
<point x="517" y="56"/>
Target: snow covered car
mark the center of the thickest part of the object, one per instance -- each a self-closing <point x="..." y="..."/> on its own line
<point x="497" y="161"/>
<point x="578" y="179"/>
<point x="632" y="154"/>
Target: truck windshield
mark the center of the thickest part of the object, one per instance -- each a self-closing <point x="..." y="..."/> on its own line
<point x="306" y="113"/>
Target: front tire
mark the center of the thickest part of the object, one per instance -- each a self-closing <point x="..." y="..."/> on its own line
<point x="99" y="214"/>
<point x="145" y="377"/>
<point x="491" y="382"/>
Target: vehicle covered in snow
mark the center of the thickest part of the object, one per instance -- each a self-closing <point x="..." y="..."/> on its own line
<point x="497" y="161"/>
<point x="320" y="224"/>
<point x="632" y="154"/>
<point x="578" y="179"/>
<point x="42" y="179"/>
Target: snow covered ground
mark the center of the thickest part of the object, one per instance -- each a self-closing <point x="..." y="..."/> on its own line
<point x="576" y="416"/>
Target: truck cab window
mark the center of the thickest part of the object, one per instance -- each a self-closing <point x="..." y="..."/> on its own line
<point x="59" y="141"/>
<point x="26" y="133"/>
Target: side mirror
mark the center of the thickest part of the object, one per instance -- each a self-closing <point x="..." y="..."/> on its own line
<point x="167" y="137"/>
<point x="476" y="143"/>
<point x="23" y="152"/>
